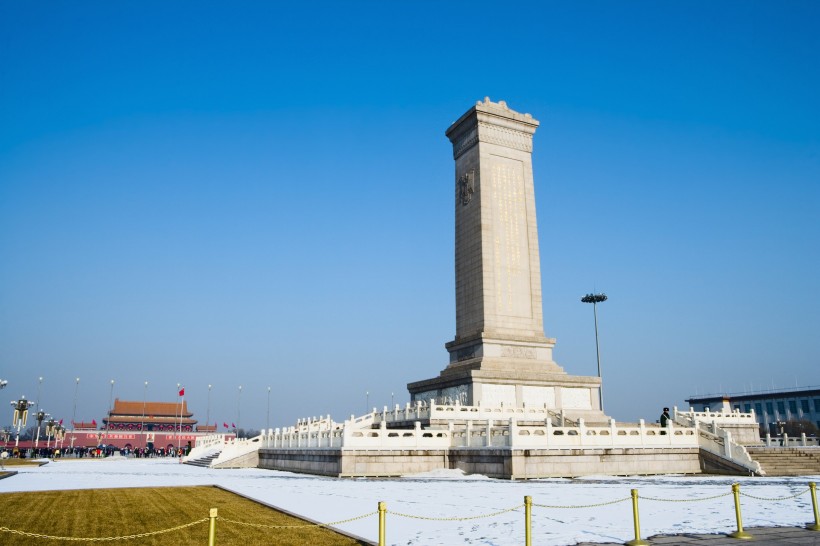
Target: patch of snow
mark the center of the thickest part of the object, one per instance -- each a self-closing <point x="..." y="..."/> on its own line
<point x="450" y="494"/>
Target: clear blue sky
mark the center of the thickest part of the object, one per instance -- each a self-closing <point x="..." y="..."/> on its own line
<point x="261" y="194"/>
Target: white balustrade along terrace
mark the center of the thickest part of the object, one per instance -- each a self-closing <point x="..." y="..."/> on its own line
<point x="718" y="417"/>
<point x="422" y="411"/>
<point x="791" y="441"/>
<point x="508" y="433"/>
<point x="205" y="445"/>
<point x="716" y="440"/>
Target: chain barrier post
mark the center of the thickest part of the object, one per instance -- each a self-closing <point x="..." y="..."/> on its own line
<point x="527" y="520"/>
<point x="212" y="528"/>
<point x="740" y="533"/>
<point x="637" y="521"/>
<point x="816" y="526"/>
<point x="382" y="513"/>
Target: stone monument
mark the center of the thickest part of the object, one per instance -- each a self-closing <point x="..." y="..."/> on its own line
<point x="500" y="355"/>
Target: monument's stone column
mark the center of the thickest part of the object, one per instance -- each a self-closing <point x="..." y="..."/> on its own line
<point x="500" y="354"/>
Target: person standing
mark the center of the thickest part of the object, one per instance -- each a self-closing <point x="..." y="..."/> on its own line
<point x="665" y="418"/>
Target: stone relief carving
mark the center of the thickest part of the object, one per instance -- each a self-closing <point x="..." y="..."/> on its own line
<point x="515" y="351"/>
<point x="453" y="395"/>
<point x="505" y="137"/>
<point x="466" y="186"/>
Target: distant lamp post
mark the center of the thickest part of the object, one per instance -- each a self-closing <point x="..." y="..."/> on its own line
<point x="74" y="413"/>
<point x="392" y="402"/>
<point x="238" y="410"/>
<point x="51" y="430"/>
<point x="110" y="409"/>
<point x="595" y="299"/>
<point x="267" y="422"/>
<point x="39" y="386"/>
<point x="20" y="419"/>
<point x="366" y="401"/>
<point x="41" y="415"/>
<point x="208" y="415"/>
<point x="142" y="426"/>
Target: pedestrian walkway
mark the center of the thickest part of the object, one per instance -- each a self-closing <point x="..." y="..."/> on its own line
<point x="777" y="536"/>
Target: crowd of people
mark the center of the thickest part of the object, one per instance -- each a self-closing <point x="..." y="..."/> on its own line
<point x="91" y="452"/>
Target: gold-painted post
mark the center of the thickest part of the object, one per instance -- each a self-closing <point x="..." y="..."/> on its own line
<point x="637" y="521"/>
<point x="740" y="533"/>
<point x="816" y="526"/>
<point x="527" y="520"/>
<point x="212" y="528"/>
<point x="382" y="514"/>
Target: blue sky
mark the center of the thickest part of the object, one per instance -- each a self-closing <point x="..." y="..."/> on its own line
<point x="260" y="194"/>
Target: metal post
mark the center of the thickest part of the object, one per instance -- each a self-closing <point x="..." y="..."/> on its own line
<point x="208" y="415"/>
<point x="816" y="526"/>
<point x="142" y="427"/>
<point x="595" y="299"/>
<point x="636" y="520"/>
<point x="212" y="528"/>
<point x="740" y="533"/>
<point x="527" y="520"/>
<point x="382" y="530"/>
<point x="267" y="420"/>
<point x="74" y="413"/>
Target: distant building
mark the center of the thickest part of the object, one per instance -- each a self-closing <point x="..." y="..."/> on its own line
<point x="770" y="407"/>
<point x="150" y="416"/>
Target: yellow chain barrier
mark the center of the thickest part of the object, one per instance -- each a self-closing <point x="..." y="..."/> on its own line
<point x="103" y="539"/>
<point x="328" y="524"/>
<point x="687" y="500"/>
<point x="775" y="498"/>
<point x="616" y="501"/>
<point x="463" y="518"/>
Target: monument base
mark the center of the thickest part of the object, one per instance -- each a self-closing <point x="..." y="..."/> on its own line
<point x="573" y="397"/>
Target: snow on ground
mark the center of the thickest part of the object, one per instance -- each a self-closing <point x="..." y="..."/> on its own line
<point x="452" y="494"/>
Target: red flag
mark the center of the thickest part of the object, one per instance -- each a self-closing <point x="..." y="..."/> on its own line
<point x="61" y="421"/>
<point x="182" y="391"/>
<point x="93" y="423"/>
<point x="233" y="425"/>
<point x="224" y="424"/>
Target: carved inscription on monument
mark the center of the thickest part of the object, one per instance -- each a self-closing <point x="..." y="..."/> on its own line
<point x="515" y="351"/>
<point x="510" y="238"/>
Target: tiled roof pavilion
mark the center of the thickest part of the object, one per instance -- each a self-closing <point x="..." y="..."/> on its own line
<point x="156" y="415"/>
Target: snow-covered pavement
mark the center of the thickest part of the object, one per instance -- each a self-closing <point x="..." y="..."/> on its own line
<point x="449" y="494"/>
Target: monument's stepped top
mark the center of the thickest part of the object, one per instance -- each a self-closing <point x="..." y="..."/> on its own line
<point x="492" y="122"/>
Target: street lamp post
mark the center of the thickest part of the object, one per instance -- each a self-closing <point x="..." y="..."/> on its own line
<point x="50" y="431"/>
<point x="74" y="413"/>
<point x="366" y="402"/>
<point x="238" y="410"/>
<point x="208" y="414"/>
<point x="110" y="409"/>
<point x="142" y="426"/>
<point x="595" y="299"/>
<point x="39" y="386"/>
<point x="267" y="421"/>
<point x="21" y="407"/>
<point x="40" y="416"/>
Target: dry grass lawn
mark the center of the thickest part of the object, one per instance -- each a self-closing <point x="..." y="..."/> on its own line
<point x="119" y="512"/>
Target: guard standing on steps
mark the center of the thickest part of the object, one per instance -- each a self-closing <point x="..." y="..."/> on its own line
<point x="665" y="417"/>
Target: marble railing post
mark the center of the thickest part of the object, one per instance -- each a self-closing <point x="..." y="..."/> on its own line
<point x="489" y="432"/>
<point x="642" y="427"/>
<point x="469" y="434"/>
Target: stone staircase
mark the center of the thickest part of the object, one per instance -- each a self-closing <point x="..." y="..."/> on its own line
<point x="787" y="461"/>
<point x="204" y="461"/>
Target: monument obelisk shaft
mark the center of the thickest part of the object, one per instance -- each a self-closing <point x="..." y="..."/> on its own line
<point x="500" y="354"/>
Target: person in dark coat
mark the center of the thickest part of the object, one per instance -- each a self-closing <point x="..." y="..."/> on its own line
<point x="665" y="417"/>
